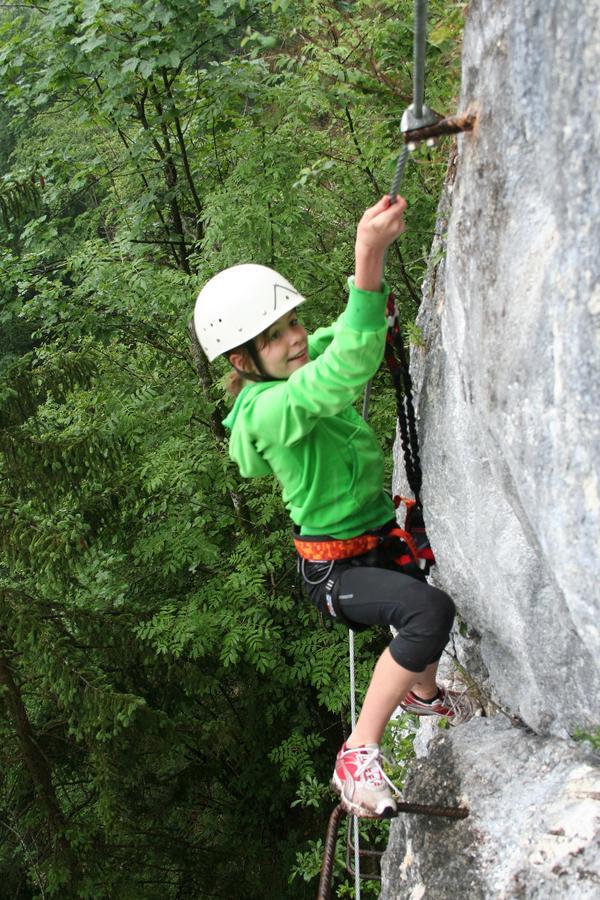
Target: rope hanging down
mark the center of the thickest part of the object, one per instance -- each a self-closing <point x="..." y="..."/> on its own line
<point x="355" y="825"/>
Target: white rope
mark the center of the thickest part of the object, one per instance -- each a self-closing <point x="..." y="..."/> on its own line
<point x="353" y="721"/>
<point x="352" y="679"/>
<point x="356" y="860"/>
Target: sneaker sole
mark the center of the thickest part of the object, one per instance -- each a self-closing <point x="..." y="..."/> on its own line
<point x="451" y="720"/>
<point x="425" y="712"/>
<point x="354" y="809"/>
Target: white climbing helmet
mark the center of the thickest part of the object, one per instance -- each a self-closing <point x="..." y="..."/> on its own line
<point x="238" y="304"/>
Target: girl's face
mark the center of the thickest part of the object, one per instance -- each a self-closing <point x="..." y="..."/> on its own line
<point x="285" y="349"/>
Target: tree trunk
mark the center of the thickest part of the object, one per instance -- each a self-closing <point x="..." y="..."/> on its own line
<point x="37" y="764"/>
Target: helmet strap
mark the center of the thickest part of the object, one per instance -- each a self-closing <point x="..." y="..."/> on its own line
<point x="251" y="376"/>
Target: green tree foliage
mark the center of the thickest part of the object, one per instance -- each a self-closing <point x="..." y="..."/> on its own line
<point x="168" y="710"/>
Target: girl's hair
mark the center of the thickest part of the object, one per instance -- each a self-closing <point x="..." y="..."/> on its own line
<point x="235" y="382"/>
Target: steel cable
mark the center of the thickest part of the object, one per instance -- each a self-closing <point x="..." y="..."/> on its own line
<point x="420" y="28"/>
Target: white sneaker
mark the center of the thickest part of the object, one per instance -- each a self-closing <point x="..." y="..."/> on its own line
<point x="362" y="784"/>
<point x="455" y="706"/>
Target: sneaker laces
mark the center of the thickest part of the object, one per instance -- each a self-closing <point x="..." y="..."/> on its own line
<point x="371" y="766"/>
<point x="458" y="703"/>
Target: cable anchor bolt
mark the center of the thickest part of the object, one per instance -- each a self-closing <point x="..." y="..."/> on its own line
<point x="439" y="128"/>
<point x="412" y="122"/>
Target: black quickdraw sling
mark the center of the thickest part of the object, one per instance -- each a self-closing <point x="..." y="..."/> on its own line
<point x="397" y="363"/>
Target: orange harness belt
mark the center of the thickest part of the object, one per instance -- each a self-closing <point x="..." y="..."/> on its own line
<point x="318" y="550"/>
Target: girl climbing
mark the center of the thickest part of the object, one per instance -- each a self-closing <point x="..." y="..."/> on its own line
<point x="294" y="417"/>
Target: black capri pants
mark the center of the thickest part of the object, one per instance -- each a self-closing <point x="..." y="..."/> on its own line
<point x="370" y="591"/>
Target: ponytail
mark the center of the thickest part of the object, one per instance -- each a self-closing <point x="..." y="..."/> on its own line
<point x="234" y="383"/>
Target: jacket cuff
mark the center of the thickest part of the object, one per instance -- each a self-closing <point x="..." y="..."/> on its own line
<point x="366" y="309"/>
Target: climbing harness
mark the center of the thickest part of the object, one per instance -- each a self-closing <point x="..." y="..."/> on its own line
<point x="396" y="539"/>
<point x="390" y="547"/>
<point x="419" y="123"/>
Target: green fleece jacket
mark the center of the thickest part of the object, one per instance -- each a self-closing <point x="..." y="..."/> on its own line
<point x="306" y="432"/>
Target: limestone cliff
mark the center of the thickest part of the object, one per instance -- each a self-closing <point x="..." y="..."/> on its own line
<point x="508" y="399"/>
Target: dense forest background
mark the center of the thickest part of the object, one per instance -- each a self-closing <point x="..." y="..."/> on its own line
<point x="169" y="711"/>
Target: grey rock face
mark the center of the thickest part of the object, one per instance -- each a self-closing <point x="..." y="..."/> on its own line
<point x="507" y="393"/>
<point x="533" y="826"/>
<point x="508" y="383"/>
